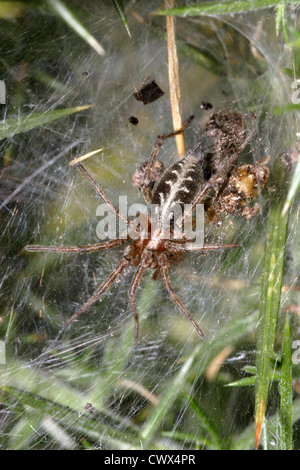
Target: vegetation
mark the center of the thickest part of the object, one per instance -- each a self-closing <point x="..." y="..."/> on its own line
<point x="70" y="73"/>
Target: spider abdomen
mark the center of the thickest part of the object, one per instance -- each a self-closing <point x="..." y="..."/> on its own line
<point x="178" y="185"/>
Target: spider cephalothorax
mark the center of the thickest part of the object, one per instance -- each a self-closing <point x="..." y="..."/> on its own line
<point x="184" y="182"/>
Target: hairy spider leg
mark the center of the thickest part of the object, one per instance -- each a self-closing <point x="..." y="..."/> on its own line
<point x="144" y="263"/>
<point x="161" y="138"/>
<point x="191" y="247"/>
<point x="100" y="291"/>
<point x="195" y="149"/>
<point x="146" y="191"/>
<point x="169" y="288"/>
<point x="97" y="188"/>
<point x="94" y="247"/>
<point x="78" y="249"/>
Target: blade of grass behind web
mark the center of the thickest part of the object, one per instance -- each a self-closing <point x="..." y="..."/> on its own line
<point x="69" y="18"/>
<point x="199" y="358"/>
<point x="118" y="4"/>
<point x="294" y="187"/>
<point x="245" y="440"/>
<point x="121" y="437"/>
<point x="269" y="307"/>
<point x="220" y="8"/>
<point x="201" y="58"/>
<point x="208" y="425"/>
<point x="285" y="432"/>
<point x="155" y="419"/>
<point x="281" y="21"/>
<point x="16" y="125"/>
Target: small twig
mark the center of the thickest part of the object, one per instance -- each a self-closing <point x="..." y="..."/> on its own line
<point x="215" y="365"/>
<point x="84" y="157"/>
<point x="174" y="85"/>
<point x="143" y="391"/>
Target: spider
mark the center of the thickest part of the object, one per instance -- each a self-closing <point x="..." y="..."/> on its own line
<point x="184" y="182"/>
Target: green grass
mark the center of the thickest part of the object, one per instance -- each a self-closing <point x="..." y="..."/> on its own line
<point x="15" y="125"/>
<point x="226" y="7"/>
<point x="156" y="393"/>
<point x="269" y="308"/>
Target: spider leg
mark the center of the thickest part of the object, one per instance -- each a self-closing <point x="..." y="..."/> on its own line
<point x="101" y="289"/>
<point x="99" y="191"/>
<point x="169" y="288"/>
<point x="145" y="187"/>
<point x="191" y="247"/>
<point x="161" y="138"/>
<point x="78" y="249"/>
<point x="133" y="288"/>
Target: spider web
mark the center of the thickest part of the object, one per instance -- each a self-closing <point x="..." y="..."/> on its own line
<point x="46" y="201"/>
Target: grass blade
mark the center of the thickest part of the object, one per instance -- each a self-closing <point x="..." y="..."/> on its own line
<point x="281" y="21"/>
<point x="293" y="189"/>
<point x="156" y="417"/>
<point x="68" y="17"/>
<point x="249" y="381"/>
<point x="269" y="306"/>
<point x="197" y="442"/>
<point x="289" y="72"/>
<point x="245" y="382"/>
<point x="15" y="125"/>
<point x="285" y="432"/>
<point x="286" y="108"/>
<point x="202" y="355"/>
<point x="207" y="424"/>
<point x="116" y="437"/>
<point x="196" y="55"/>
<point x="246" y="439"/>
<point x="200" y="58"/>
<point x="121" y="11"/>
<point x="222" y="8"/>
<point x="23" y="432"/>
